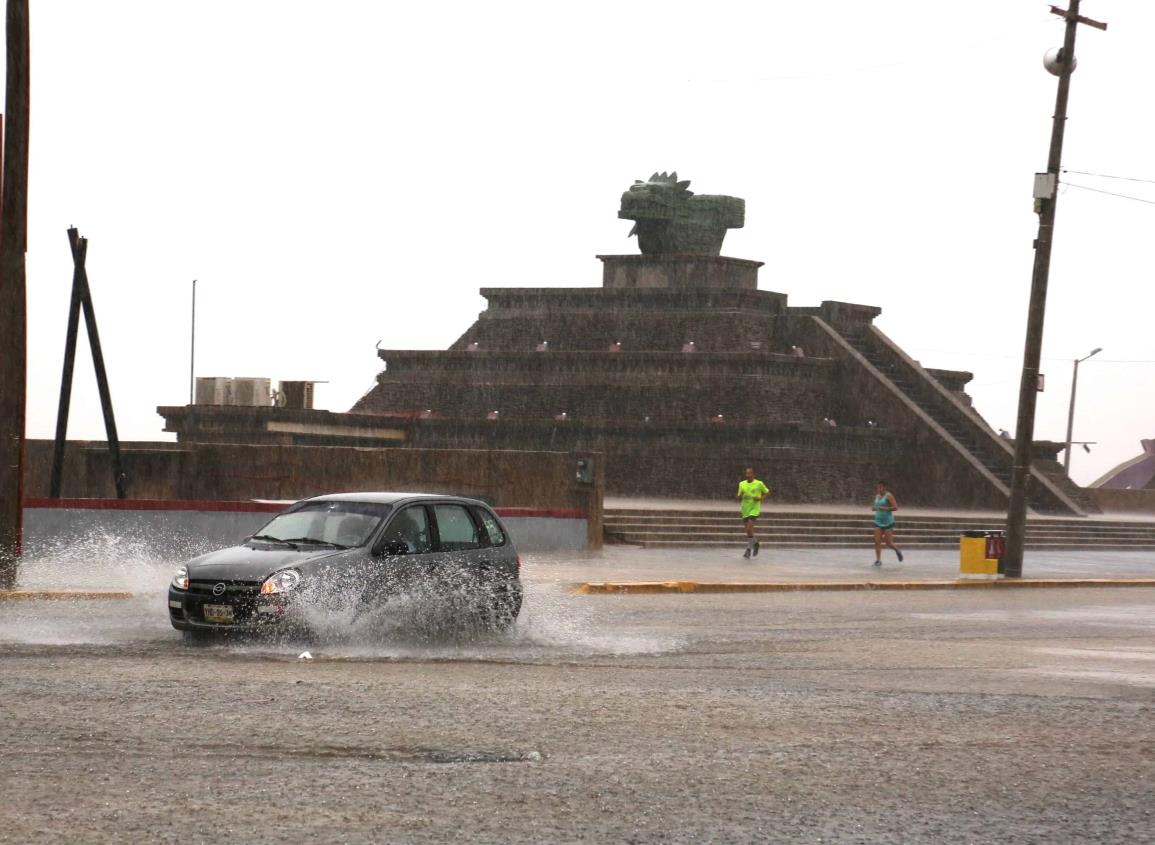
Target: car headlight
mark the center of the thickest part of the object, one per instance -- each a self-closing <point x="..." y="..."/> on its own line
<point x="281" y="582"/>
<point x="180" y="580"/>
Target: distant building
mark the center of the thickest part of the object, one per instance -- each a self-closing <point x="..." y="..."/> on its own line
<point x="1135" y="474"/>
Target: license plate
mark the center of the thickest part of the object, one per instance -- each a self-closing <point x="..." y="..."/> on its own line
<point x="219" y="613"/>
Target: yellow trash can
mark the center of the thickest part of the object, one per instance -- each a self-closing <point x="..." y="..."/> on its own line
<point x="974" y="555"/>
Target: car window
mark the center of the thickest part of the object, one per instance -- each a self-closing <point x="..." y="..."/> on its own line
<point x="411" y="527"/>
<point x="342" y="522"/>
<point x="490" y="526"/>
<point x="456" y="528"/>
<point x="352" y="529"/>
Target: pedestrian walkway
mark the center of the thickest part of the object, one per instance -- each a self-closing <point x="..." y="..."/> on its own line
<point x="796" y="566"/>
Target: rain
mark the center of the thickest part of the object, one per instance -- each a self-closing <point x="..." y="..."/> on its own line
<point x="703" y="508"/>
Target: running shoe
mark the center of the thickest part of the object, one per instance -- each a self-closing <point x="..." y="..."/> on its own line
<point x="757" y="545"/>
<point x="746" y="554"/>
<point x="878" y="563"/>
<point x="896" y="551"/>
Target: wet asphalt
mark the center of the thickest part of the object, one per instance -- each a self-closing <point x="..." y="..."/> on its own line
<point x="1009" y="716"/>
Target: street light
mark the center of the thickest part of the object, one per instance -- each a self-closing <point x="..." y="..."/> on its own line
<point x="1071" y="412"/>
<point x="192" y="352"/>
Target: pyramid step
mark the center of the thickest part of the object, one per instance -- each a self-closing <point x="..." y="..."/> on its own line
<point x="821" y="544"/>
<point x="862" y="536"/>
<point x="721" y="527"/>
<point x="907" y="523"/>
<point x="866" y="526"/>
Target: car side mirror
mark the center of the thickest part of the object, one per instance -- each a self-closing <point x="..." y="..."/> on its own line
<point x="395" y="547"/>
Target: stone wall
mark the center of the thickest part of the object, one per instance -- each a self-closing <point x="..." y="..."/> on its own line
<point x="678" y="271"/>
<point x="182" y="530"/>
<point x="222" y="471"/>
<point x="795" y="475"/>
<point x="808" y="463"/>
<point x="619" y="387"/>
<point x="1123" y="501"/>
<point x="591" y="319"/>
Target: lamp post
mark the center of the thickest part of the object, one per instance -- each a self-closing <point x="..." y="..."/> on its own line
<point x="192" y="351"/>
<point x="1071" y="411"/>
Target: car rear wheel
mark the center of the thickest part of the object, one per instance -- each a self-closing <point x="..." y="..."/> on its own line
<point x="499" y="612"/>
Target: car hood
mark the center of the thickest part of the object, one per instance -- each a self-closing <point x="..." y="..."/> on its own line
<point x="253" y="563"/>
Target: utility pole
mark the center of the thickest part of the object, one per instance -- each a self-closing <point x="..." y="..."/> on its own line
<point x="13" y="293"/>
<point x="1046" y="196"/>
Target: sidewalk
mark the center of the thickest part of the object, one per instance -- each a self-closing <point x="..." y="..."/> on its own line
<point x="818" y="566"/>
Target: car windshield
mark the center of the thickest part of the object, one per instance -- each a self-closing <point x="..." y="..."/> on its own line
<point x="342" y="524"/>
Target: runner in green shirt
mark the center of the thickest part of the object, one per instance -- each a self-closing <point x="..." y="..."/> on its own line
<point x="751" y="492"/>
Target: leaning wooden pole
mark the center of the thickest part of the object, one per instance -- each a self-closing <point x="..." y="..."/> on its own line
<point x="13" y="299"/>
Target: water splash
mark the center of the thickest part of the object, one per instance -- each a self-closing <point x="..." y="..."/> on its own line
<point x="104" y="560"/>
<point x="418" y="625"/>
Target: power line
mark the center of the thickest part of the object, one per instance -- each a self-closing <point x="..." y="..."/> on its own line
<point x="1108" y="193"/>
<point x="1108" y="176"/>
<point x="920" y="57"/>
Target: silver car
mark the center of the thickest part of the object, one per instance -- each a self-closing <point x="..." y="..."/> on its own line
<point x="359" y="550"/>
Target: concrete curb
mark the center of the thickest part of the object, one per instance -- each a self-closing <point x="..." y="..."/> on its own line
<point x="655" y="587"/>
<point x="590" y="588"/>
<point x="60" y="595"/>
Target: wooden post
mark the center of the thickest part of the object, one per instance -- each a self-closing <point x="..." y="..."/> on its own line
<point x="79" y="249"/>
<point x="13" y="298"/>
<point x="1029" y="382"/>
<point x="70" y="336"/>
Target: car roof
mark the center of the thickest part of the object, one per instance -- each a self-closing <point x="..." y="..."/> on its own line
<point x="387" y="498"/>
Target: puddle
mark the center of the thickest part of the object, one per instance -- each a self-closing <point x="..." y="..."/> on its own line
<point x="1134" y="679"/>
<point x="1101" y="654"/>
<point x="553" y="623"/>
<point x="1095" y="615"/>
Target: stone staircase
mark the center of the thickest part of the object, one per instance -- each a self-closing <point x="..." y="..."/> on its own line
<point x="1046" y="492"/>
<point x="653" y="528"/>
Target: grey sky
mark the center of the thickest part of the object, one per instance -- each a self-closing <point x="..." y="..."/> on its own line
<point x="344" y="173"/>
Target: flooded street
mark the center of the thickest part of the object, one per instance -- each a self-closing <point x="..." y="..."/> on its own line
<point x="1024" y="716"/>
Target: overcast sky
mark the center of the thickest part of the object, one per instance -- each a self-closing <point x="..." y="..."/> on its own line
<point x="344" y="173"/>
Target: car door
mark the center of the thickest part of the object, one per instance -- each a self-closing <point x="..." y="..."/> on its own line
<point x="499" y="571"/>
<point x="461" y="555"/>
<point x="499" y="562"/>
<point x="401" y="555"/>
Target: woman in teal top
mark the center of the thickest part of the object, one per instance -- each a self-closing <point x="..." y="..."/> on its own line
<point x="884" y="507"/>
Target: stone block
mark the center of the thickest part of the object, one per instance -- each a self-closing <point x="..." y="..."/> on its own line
<point x="678" y="271"/>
